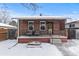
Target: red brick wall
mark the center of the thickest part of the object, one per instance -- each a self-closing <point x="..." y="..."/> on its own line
<point x="36" y="25"/>
<point x="62" y="24"/>
<point x="26" y="40"/>
<point x="56" y="27"/>
<point x="59" y="27"/>
<point x="23" y="26"/>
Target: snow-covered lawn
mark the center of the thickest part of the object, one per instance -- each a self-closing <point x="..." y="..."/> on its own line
<point x="72" y="47"/>
<point x="45" y="49"/>
<point x="75" y="47"/>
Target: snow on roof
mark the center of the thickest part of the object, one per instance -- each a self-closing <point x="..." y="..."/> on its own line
<point x="41" y="17"/>
<point x="75" y="21"/>
<point x="2" y="25"/>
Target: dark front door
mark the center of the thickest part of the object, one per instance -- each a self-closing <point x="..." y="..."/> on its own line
<point x="50" y="27"/>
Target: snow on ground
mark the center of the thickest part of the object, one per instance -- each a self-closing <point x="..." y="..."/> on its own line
<point x="46" y="49"/>
<point x="72" y="47"/>
<point x="75" y="48"/>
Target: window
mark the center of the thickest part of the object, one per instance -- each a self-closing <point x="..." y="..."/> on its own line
<point x="72" y="25"/>
<point x="30" y="25"/>
<point x="42" y="25"/>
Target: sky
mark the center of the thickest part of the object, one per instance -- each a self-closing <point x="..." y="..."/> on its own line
<point x="54" y="9"/>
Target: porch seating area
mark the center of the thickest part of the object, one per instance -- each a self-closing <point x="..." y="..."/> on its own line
<point x="42" y="29"/>
<point x="35" y="33"/>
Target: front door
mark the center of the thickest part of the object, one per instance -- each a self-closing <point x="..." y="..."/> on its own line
<point x="50" y="28"/>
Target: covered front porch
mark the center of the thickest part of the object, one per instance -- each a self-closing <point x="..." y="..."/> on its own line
<point x="54" y="31"/>
<point x="37" y="28"/>
<point x="41" y="29"/>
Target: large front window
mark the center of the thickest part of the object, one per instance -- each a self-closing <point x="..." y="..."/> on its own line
<point x="42" y="25"/>
<point x="30" y="25"/>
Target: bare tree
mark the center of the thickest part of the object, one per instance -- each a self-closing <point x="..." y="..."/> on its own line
<point x="4" y="14"/>
<point x="30" y="6"/>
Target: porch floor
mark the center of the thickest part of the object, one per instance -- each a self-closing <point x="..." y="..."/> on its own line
<point x="44" y="36"/>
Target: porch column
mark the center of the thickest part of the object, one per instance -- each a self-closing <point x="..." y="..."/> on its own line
<point x="18" y="28"/>
<point x="36" y="25"/>
<point x="56" y="28"/>
<point x="23" y="27"/>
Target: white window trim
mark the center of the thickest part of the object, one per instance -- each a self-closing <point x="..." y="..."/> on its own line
<point x="29" y="25"/>
<point x="42" y="25"/>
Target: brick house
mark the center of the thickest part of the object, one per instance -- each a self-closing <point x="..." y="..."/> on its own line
<point x="41" y="28"/>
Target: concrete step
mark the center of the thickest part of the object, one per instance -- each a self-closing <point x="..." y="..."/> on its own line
<point x="56" y="41"/>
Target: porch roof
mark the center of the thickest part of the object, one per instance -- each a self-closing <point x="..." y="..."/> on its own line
<point x="41" y="18"/>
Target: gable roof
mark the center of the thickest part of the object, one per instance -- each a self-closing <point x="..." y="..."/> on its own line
<point x="77" y="21"/>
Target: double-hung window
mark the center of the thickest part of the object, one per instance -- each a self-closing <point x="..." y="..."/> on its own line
<point x="30" y="25"/>
<point x="42" y="25"/>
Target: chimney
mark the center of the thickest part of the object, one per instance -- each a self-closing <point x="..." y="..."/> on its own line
<point x="40" y="14"/>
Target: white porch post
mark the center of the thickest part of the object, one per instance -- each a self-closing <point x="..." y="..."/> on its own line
<point x="18" y="27"/>
<point x="18" y="31"/>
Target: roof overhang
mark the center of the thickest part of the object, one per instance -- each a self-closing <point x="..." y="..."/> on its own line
<point x="41" y="18"/>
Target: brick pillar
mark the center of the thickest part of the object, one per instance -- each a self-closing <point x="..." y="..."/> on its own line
<point x="56" y="28"/>
<point x="23" y="26"/>
<point x="36" y="25"/>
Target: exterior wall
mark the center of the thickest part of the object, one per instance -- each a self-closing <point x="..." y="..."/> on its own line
<point x="59" y="28"/>
<point x="36" y="26"/>
<point x="12" y="33"/>
<point x="73" y="34"/>
<point x="77" y="25"/>
<point x="3" y="34"/>
<point x="26" y="40"/>
<point x="77" y="33"/>
<point x="23" y="26"/>
<point x="67" y="25"/>
<point x="57" y="25"/>
<point x="44" y="39"/>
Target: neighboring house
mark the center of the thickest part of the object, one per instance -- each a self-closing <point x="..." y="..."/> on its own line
<point x="41" y="28"/>
<point x="4" y="31"/>
<point x="73" y="29"/>
<point x="13" y="23"/>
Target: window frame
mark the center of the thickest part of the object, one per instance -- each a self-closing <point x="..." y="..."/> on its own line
<point x="29" y="25"/>
<point x="42" y="25"/>
<point x="72" y="25"/>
